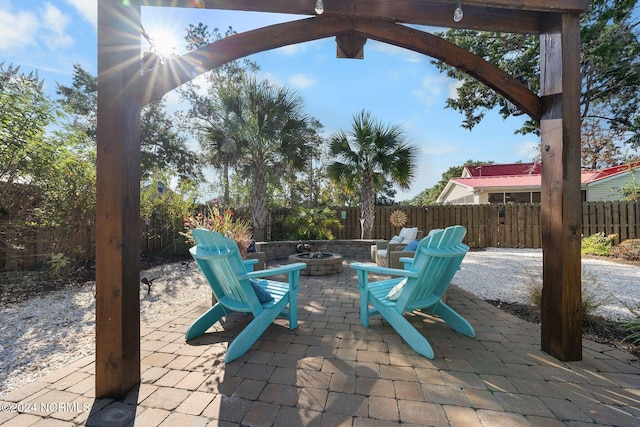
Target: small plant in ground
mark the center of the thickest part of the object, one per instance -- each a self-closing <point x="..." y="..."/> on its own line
<point x="629" y="250"/>
<point x="591" y="292"/>
<point x="58" y="264"/>
<point x="633" y="326"/>
<point x="223" y="223"/>
<point x="598" y="244"/>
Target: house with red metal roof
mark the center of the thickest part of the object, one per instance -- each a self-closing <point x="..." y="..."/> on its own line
<point x="521" y="182"/>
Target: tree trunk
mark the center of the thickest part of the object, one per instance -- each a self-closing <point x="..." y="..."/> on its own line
<point x="260" y="200"/>
<point x="226" y="182"/>
<point x="368" y="205"/>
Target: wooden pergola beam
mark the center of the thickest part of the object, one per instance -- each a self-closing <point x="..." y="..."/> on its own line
<point x="502" y="16"/>
<point x="380" y="8"/>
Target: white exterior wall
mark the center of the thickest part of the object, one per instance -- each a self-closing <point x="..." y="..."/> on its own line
<point x="459" y="195"/>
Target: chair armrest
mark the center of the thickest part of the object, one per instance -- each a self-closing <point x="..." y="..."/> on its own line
<point x="258" y="258"/>
<point x="288" y="268"/>
<point x="370" y="268"/>
<point x="249" y="263"/>
<point x="363" y="271"/>
<point x="406" y="262"/>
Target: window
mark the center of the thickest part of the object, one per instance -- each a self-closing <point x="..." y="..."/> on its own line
<point x="496" y="197"/>
<point x="515" y="197"/>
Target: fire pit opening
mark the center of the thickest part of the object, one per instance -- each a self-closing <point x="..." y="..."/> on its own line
<point x="319" y="263"/>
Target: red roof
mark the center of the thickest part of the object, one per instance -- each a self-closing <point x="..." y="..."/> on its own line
<point x="509" y="181"/>
<point x="526" y="175"/>
<point x="615" y="170"/>
<point x="505" y="169"/>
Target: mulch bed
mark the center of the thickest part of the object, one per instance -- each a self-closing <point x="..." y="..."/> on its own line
<point x="594" y="328"/>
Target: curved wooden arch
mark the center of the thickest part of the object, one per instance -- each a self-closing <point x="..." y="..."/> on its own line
<point x="165" y="78"/>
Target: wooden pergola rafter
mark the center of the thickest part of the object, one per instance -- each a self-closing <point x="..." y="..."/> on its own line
<point x="123" y="89"/>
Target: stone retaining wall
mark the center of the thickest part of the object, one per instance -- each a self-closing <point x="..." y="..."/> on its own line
<point x="349" y="249"/>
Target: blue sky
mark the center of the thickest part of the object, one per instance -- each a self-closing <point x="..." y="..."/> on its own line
<point x="397" y="86"/>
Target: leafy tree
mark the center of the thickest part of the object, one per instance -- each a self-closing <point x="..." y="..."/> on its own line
<point x="47" y="180"/>
<point x="270" y="124"/>
<point x="599" y="147"/>
<point x="25" y="113"/>
<point x="370" y="154"/>
<point x="167" y="207"/>
<point x="80" y="100"/>
<point x="610" y="65"/>
<point x="386" y="195"/>
<point x="313" y="188"/>
<point x="430" y="195"/>
<point x="206" y="118"/>
<point x="25" y="155"/>
<point x="68" y="199"/>
<point x="302" y="185"/>
<point x="162" y="145"/>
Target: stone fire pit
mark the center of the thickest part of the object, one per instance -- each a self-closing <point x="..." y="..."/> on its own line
<point x="319" y="263"/>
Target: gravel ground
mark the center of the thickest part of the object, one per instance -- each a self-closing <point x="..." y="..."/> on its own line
<point x="49" y="331"/>
<point x="505" y="275"/>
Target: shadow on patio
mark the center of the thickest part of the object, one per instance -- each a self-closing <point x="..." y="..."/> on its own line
<point x="331" y="371"/>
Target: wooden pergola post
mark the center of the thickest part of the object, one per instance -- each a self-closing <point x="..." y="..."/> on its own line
<point x="560" y="193"/>
<point x="118" y="199"/>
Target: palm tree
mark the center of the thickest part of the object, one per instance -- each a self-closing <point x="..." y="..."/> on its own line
<point x="269" y="125"/>
<point x="221" y="152"/>
<point x="369" y="155"/>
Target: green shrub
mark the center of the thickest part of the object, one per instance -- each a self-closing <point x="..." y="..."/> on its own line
<point x="58" y="264"/>
<point x="633" y="326"/>
<point x="598" y="244"/>
<point x="591" y="292"/>
<point x="313" y="224"/>
<point x="629" y="250"/>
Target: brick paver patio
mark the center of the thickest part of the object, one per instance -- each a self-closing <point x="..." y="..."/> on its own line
<point x="333" y="372"/>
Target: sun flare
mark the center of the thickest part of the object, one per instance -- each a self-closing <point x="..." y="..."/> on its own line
<point x="165" y="43"/>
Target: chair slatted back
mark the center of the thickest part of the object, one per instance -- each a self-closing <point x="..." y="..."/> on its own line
<point x="437" y="259"/>
<point x="219" y="259"/>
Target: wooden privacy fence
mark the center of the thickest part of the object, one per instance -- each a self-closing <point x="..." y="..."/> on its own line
<point x="491" y="225"/>
<point x="497" y="225"/>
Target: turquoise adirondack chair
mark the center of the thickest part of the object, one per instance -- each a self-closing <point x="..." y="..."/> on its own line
<point x="230" y="279"/>
<point x="428" y="274"/>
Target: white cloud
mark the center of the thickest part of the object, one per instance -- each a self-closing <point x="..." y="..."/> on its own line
<point x="431" y="90"/>
<point x="56" y="22"/>
<point x="527" y="150"/>
<point x="88" y="9"/>
<point x="293" y="49"/>
<point x="406" y="54"/>
<point x="23" y="28"/>
<point x="453" y="88"/>
<point x="271" y="78"/>
<point x="302" y="81"/>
